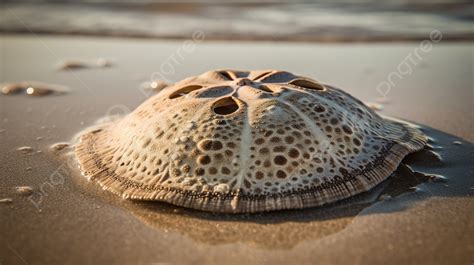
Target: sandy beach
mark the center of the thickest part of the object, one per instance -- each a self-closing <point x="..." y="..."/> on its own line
<point x="421" y="215"/>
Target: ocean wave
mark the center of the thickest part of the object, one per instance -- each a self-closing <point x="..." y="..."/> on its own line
<point x="307" y="21"/>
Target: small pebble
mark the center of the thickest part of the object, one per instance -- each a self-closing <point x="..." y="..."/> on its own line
<point x="59" y="146"/>
<point x="24" y="190"/>
<point x="32" y="89"/>
<point x="84" y="64"/>
<point x="6" y="200"/>
<point x="101" y="62"/>
<point x="38" y="91"/>
<point x="25" y="149"/>
<point x="72" y="65"/>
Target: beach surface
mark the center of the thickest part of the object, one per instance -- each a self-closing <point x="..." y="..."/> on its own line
<point x="421" y="215"/>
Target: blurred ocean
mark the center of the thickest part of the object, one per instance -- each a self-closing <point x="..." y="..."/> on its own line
<point x="314" y="20"/>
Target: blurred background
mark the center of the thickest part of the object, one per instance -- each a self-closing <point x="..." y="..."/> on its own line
<point x="310" y="20"/>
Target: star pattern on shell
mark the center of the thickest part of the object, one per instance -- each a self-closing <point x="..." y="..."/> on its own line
<point x="247" y="141"/>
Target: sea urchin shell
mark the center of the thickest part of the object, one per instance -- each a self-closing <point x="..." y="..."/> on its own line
<point x="246" y="141"/>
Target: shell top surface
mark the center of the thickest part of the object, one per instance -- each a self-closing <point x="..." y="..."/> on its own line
<point x="246" y="141"/>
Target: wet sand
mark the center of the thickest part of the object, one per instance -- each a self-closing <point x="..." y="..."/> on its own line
<point x="413" y="218"/>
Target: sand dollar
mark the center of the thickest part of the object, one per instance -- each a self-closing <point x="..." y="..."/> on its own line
<point x="246" y="141"/>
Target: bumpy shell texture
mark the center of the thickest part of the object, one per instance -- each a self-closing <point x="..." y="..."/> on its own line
<point x="246" y="141"/>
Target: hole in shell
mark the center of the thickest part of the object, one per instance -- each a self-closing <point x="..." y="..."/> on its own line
<point x="184" y="90"/>
<point x="226" y="75"/>
<point x="225" y="106"/>
<point x="261" y="75"/>
<point x="306" y="84"/>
